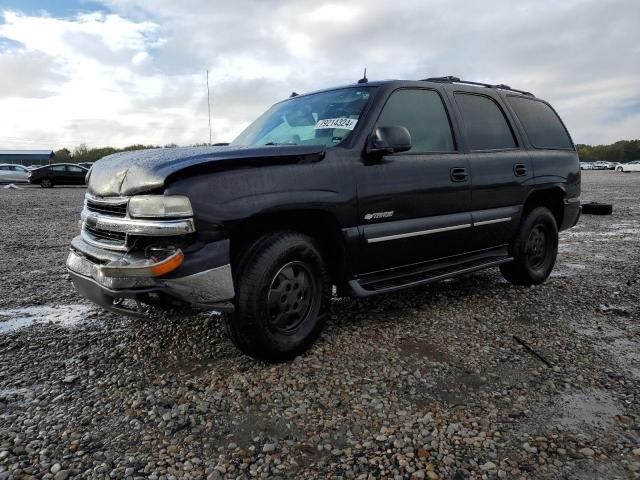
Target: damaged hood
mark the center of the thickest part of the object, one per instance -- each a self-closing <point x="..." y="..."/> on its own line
<point x="133" y="172"/>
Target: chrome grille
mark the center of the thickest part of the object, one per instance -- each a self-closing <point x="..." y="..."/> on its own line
<point x="114" y="209"/>
<point x="106" y="224"/>
<point x="105" y="237"/>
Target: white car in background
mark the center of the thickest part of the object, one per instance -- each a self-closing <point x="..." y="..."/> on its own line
<point x="10" y="173"/>
<point x="629" y="167"/>
<point x="601" y="165"/>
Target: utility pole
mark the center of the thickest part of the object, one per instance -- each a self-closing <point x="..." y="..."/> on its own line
<point x="209" y="106"/>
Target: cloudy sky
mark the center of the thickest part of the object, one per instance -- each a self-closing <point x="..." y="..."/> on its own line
<point x="117" y="72"/>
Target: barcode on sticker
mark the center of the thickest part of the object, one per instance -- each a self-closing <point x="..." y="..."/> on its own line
<point x="345" y="123"/>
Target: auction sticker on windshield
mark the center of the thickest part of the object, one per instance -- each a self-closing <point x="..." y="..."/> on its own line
<point x="345" y="123"/>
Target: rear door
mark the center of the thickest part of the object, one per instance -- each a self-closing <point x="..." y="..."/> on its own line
<point x="500" y="167"/>
<point x="21" y="173"/>
<point x="414" y="206"/>
<point x="551" y="149"/>
<point x="76" y="174"/>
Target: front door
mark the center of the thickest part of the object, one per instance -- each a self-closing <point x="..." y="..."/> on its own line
<point x="414" y="206"/>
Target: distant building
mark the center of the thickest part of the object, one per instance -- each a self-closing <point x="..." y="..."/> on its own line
<point x="27" y="157"/>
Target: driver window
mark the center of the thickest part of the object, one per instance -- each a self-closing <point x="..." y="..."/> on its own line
<point x="423" y="114"/>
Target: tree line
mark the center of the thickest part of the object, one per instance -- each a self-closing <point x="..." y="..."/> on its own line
<point x="82" y="153"/>
<point x="622" y="151"/>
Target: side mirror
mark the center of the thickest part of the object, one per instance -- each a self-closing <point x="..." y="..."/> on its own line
<point x="389" y="139"/>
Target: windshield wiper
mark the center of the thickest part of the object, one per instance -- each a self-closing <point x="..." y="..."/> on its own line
<point x="276" y="143"/>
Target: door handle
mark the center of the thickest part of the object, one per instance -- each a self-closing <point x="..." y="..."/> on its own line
<point x="459" y="174"/>
<point x="520" y="169"/>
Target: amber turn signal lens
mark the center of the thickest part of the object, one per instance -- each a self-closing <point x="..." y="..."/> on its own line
<point x="168" y="265"/>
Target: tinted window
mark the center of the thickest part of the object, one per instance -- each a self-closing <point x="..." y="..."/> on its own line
<point x="73" y="169"/>
<point x="486" y="125"/>
<point x="543" y="127"/>
<point x="422" y="113"/>
<point x="58" y="168"/>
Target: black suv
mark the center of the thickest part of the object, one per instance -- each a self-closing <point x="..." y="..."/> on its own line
<point x="372" y="187"/>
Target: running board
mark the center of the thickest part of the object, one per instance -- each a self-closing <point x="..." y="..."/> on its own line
<point x="398" y="279"/>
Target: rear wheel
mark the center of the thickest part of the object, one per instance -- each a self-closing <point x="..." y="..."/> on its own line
<point x="282" y="297"/>
<point x="534" y="249"/>
<point x="46" y="182"/>
<point x="620" y="169"/>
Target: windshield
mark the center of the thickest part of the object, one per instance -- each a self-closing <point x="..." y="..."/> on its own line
<point x="325" y="118"/>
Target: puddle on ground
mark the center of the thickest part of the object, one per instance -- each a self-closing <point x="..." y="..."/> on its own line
<point x="62" y="315"/>
<point x="595" y="408"/>
<point x="12" y="392"/>
<point x="567" y="269"/>
<point x="620" y="344"/>
<point x="630" y="229"/>
<point x="423" y="349"/>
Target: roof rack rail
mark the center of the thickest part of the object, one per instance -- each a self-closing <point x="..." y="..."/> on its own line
<point x="452" y="79"/>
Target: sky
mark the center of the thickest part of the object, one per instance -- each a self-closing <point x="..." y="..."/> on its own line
<point x="119" y="72"/>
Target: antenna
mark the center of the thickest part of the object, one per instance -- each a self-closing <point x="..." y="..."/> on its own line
<point x="209" y="106"/>
<point x="364" y="78"/>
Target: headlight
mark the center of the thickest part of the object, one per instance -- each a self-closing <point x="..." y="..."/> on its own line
<point x="152" y="206"/>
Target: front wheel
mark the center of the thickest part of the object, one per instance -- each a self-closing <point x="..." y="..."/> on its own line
<point x="46" y="182"/>
<point x="534" y="250"/>
<point x="282" y="297"/>
<point x="620" y="169"/>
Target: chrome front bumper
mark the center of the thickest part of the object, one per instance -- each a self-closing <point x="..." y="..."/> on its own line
<point x="204" y="280"/>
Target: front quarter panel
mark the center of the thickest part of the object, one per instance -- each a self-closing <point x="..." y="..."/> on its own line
<point x="222" y="198"/>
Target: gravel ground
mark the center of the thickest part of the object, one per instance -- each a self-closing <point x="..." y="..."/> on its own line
<point x="427" y="383"/>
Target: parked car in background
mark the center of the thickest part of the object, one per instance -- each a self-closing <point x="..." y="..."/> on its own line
<point x="58" y="174"/>
<point x="629" y="167"/>
<point x="586" y="166"/>
<point x="601" y="165"/>
<point x="86" y="165"/>
<point x="10" y="173"/>
<point x="33" y="167"/>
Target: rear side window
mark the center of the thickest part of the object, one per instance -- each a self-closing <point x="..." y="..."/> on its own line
<point x="422" y="113"/>
<point x="486" y="126"/>
<point x="59" y="168"/>
<point x="543" y="127"/>
<point x="73" y="169"/>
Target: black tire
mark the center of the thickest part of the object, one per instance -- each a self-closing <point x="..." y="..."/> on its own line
<point x="534" y="250"/>
<point x="595" y="208"/>
<point x="46" y="182"/>
<point x="283" y="294"/>
<point x="620" y="169"/>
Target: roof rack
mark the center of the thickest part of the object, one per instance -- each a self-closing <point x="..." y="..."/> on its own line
<point x="451" y="79"/>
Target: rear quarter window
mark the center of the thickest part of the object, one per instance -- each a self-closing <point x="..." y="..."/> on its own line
<point x="541" y="124"/>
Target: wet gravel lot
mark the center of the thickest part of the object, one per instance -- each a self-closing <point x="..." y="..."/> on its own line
<point x="427" y="383"/>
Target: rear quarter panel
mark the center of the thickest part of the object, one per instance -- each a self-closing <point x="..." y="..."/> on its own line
<point x="557" y="167"/>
